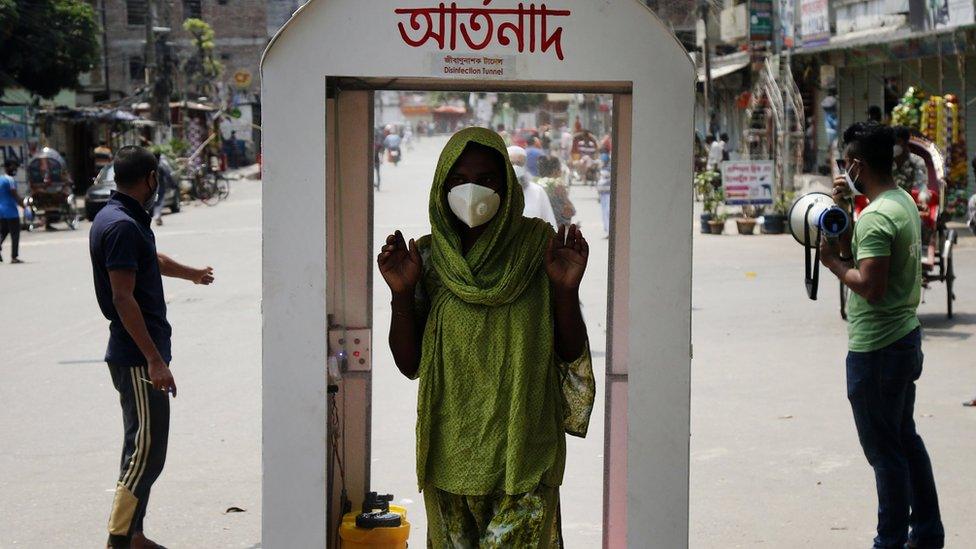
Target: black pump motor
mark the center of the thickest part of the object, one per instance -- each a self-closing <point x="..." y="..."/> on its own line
<point x="376" y="512"/>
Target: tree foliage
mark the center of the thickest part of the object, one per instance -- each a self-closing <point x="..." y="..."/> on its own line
<point x="46" y="44"/>
<point x="201" y="69"/>
<point x="522" y="102"/>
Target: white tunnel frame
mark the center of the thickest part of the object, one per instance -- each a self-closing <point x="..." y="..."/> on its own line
<point x="655" y="346"/>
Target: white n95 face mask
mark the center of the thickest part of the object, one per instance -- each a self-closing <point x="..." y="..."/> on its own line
<point x="851" y="183"/>
<point x="473" y="204"/>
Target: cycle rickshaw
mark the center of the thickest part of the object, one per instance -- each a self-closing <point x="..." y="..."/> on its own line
<point x="937" y="264"/>
<point x="50" y="193"/>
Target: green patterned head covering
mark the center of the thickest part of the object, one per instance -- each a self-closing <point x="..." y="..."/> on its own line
<point x="495" y="270"/>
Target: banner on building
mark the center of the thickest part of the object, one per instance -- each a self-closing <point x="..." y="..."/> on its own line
<point x="760" y="20"/>
<point x="13" y="124"/>
<point x="748" y="182"/>
<point x="734" y="24"/>
<point x="13" y="137"/>
<point x="951" y="13"/>
<point x="814" y="22"/>
<point x="787" y="17"/>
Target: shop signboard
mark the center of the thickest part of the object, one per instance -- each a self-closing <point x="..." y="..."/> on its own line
<point x="748" y="182"/>
<point x="761" y="20"/>
<point x="787" y="29"/>
<point x="950" y="13"/>
<point x="13" y="136"/>
<point x="13" y="124"/>
<point x="814" y="22"/>
<point x="734" y="24"/>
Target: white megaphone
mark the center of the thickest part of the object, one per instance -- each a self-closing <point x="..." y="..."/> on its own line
<point x="814" y="216"/>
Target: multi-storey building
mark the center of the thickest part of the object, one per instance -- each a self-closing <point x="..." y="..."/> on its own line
<point x="241" y="31"/>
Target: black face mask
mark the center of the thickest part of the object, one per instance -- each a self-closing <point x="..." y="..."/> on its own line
<point x="858" y="183"/>
<point x="150" y="202"/>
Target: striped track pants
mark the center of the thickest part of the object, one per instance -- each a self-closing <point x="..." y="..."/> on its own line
<point x="145" y="417"/>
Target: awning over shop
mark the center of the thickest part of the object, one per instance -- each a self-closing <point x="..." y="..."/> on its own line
<point x="450" y="109"/>
<point x="91" y="113"/>
<point x="725" y="65"/>
<point x="871" y="37"/>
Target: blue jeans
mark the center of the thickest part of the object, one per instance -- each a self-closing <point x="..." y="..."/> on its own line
<point x="881" y="388"/>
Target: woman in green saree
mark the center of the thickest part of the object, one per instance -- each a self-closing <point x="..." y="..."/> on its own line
<point x="486" y="314"/>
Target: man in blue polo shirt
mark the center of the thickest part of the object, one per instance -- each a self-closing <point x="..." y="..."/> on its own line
<point x="9" y="216"/>
<point x="129" y="287"/>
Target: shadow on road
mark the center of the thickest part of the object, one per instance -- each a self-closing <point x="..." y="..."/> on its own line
<point x="936" y="325"/>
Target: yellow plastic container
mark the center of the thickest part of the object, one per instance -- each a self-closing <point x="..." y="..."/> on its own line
<point x="375" y="538"/>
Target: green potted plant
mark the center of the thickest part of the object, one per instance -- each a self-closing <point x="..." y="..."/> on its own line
<point x="708" y="186"/>
<point x="747" y="223"/>
<point x="775" y="222"/>
<point x="716" y="224"/>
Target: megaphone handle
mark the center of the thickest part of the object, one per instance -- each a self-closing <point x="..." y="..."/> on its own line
<point x="812" y="275"/>
<point x="815" y="279"/>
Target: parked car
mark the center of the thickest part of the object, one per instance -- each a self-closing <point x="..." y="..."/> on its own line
<point x="99" y="193"/>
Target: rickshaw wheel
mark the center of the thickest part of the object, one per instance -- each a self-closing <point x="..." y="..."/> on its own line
<point x="844" y="291"/>
<point x="71" y="215"/>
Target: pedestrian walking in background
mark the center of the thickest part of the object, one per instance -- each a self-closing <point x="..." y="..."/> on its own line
<point x="880" y="262"/>
<point x="533" y="152"/>
<point x="550" y="179"/>
<point x="408" y="137"/>
<point x="724" y="139"/>
<point x="128" y="273"/>
<point x="536" y="200"/>
<point x="603" y="188"/>
<point x="165" y="182"/>
<point x="715" y="152"/>
<point x="493" y="405"/>
<point x="9" y="215"/>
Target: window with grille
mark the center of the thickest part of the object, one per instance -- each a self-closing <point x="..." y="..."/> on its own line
<point x="137" y="68"/>
<point x="192" y="9"/>
<point x="135" y="12"/>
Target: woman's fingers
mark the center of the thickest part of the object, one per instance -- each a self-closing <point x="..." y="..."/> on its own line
<point x="414" y="251"/>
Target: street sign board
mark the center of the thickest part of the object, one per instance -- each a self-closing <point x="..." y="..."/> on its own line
<point x="761" y="20"/>
<point x="13" y="124"/>
<point x="814" y="22"/>
<point x="748" y="182"/>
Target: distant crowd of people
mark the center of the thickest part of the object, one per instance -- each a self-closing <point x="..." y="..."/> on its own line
<point x="547" y="160"/>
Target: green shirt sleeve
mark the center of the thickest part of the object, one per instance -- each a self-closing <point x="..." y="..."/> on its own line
<point x="874" y="233"/>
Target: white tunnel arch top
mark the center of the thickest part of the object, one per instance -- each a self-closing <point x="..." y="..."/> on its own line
<point x="557" y="45"/>
<point x="569" y="40"/>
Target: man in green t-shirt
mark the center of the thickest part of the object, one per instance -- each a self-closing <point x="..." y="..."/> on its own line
<point x="881" y="264"/>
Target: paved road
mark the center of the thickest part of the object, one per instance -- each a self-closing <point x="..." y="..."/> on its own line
<point x="60" y="424"/>
<point x="775" y="460"/>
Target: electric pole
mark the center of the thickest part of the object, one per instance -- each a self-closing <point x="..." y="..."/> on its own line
<point x="150" y="53"/>
<point x="108" y="88"/>
<point x="156" y="80"/>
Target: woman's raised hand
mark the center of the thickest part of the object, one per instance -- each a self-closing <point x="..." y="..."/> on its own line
<point x="400" y="264"/>
<point x="566" y="257"/>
